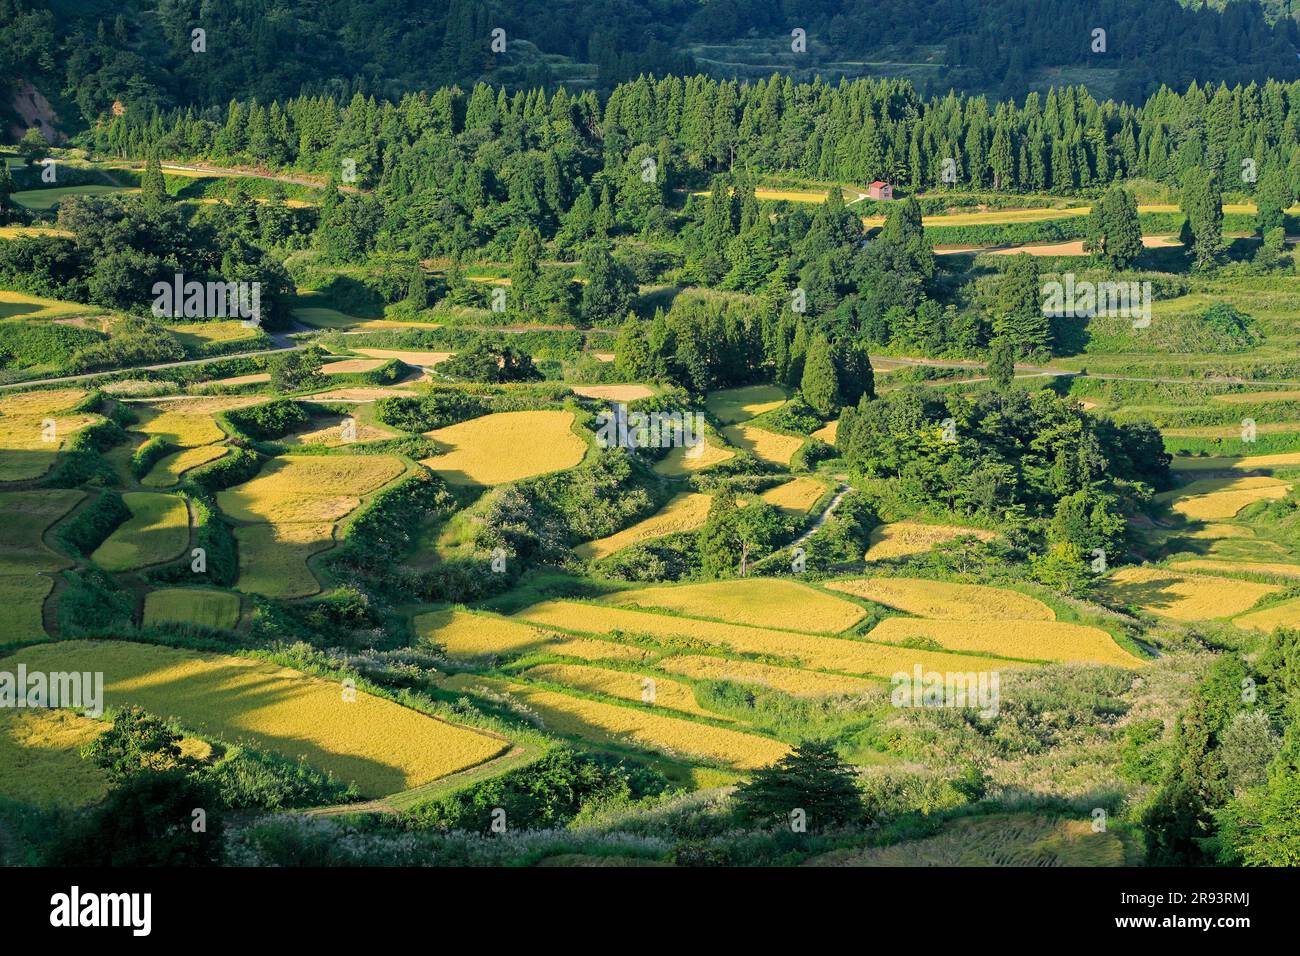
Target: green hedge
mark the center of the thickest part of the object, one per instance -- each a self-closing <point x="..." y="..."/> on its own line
<point x="87" y="530"/>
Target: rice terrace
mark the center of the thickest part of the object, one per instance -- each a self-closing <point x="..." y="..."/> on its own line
<point x="668" y="437"/>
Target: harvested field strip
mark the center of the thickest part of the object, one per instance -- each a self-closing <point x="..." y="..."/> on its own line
<point x="24" y="517"/>
<point x="505" y="447"/>
<point x="945" y="601"/>
<point x="808" y="650"/>
<point x="416" y="358"/>
<point x="1183" y="597"/>
<point x="47" y="402"/>
<point x="771" y="447"/>
<point x="169" y="469"/>
<point x="683" y="512"/>
<point x="200" y="606"/>
<point x="1248" y="463"/>
<point x="157" y="531"/>
<point x="613" y="393"/>
<point x="789" y="680"/>
<point x="1031" y="640"/>
<point x="655" y="692"/>
<point x="638" y="727"/>
<point x="761" y="602"/>
<point x="474" y="636"/>
<point x="381" y="746"/>
<point x="901" y="539"/>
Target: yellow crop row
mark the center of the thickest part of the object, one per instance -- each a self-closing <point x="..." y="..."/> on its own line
<point x="761" y="602"/>
<point x="945" y="601"/>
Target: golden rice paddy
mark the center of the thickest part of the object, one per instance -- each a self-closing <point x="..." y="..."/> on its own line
<point x="1183" y="597"/>
<point x="30" y="443"/>
<point x="1026" y="639"/>
<point x="797" y="496"/>
<point x="381" y="746"/>
<point x="170" y="468"/>
<point x="740" y="404"/>
<point x="1212" y="499"/>
<point x="330" y="433"/>
<point x="409" y="356"/>
<point x="48" y="402"/>
<point x="157" y="531"/>
<point x="352" y="366"/>
<point x="181" y="428"/>
<point x="273" y="558"/>
<point x="1286" y="614"/>
<point x="945" y="601"/>
<point x="789" y="680"/>
<point x="20" y="305"/>
<point x="684" y="512"/>
<point x="901" y="539"/>
<point x="656" y="692"/>
<point x="768" y="446"/>
<point x="505" y="447"/>
<point x="40" y="751"/>
<point x="1251" y="567"/>
<point x="761" y="602"/>
<point x="682" y="461"/>
<point x="201" y="606"/>
<point x="828" y="432"/>
<point x="1248" y="463"/>
<point x="471" y="636"/>
<point x="807" y="650"/>
<point x="639" y="727"/>
<point x="309" y="488"/>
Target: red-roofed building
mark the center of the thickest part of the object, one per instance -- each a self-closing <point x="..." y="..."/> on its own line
<point x="880" y="190"/>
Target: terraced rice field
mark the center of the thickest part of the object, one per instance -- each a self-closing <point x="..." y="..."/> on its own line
<point x="157" y="531"/>
<point x="195" y="336"/>
<point x="41" y="753"/>
<point x="43" y="200"/>
<point x="828" y="432"/>
<point x="731" y="405"/>
<point x="201" y="606"/>
<point x="1000" y="840"/>
<point x="470" y="636"/>
<point x="20" y="305"/>
<point x="614" y="393"/>
<point x="807" y="650"/>
<point x="273" y="558"/>
<point x="1286" y="614"/>
<point x="655" y="692"/>
<point x="1247" y="463"/>
<point x="902" y="539"/>
<point x="352" y="366"/>
<point x="684" y="512"/>
<point x="1028" y="640"/>
<point x="169" y="469"/>
<point x="1250" y="398"/>
<point x="680" y="462"/>
<point x="185" y="429"/>
<point x="1251" y="567"/>
<point x="761" y="602"/>
<point x="1212" y="499"/>
<point x="768" y="446"/>
<point x="797" y="496"/>
<point x="309" y="489"/>
<point x="1183" y="597"/>
<point x="945" y="601"/>
<point x="505" y="447"/>
<point x="328" y="431"/>
<point x="639" y="727"/>
<point x="24" y="517"/>
<point x="381" y="746"/>
<point x="23" y="596"/>
<point x="796" y="682"/>
<point x="34" y="426"/>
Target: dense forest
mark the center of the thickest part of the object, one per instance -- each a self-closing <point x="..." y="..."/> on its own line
<point x="141" y="56"/>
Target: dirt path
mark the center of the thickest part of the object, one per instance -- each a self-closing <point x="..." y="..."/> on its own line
<point x="822" y="518"/>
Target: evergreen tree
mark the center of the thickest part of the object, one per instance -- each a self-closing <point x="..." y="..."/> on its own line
<point x="1202" y="204"/>
<point x="1017" y="308"/>
<point x="153" y="188"/>
<point x="1002" y="363"/>
<point x="820" y="384"/>
<point x="811" y="780"/>
<point x="417" y="288"/>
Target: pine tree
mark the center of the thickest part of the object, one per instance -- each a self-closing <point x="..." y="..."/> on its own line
<point x="153" y="188"/>
<point x="1002" y="363"/>
<point x="811" y="780"/>
<point x="1202" y="204"/>
<point x="417" y="289"/>
<point x="820" y="384"/>
<point x="1017" y="309"/>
